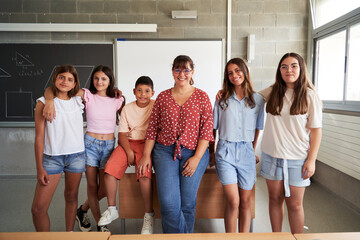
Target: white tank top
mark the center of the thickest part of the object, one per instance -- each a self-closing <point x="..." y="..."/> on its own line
<point x="65" y="135"/>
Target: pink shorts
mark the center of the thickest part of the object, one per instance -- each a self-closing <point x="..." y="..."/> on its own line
<point x="117" y="163"/>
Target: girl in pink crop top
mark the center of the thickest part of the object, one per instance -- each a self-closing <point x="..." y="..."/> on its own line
<point x="101" y="107"/>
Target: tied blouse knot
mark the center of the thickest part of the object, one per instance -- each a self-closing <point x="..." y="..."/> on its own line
<point x="183" y="125"/>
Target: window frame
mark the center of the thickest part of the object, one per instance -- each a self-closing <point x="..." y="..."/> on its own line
<point x="342" y="23"/>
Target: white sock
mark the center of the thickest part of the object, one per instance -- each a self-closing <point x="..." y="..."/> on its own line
<point x="112" y="208"/>
<point x="151" y="214"/>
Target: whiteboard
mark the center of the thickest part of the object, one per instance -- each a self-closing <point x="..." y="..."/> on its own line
<point x="154" y="58"/>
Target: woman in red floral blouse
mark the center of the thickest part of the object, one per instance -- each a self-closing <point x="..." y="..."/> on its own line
<point x="180" y="128"/>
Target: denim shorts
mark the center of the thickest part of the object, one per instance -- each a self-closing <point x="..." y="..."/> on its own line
<point x="236" y="163"/>
<point x="290" y="171"/>
<point x="97" y="151"/>
<point x="73" y="163"/>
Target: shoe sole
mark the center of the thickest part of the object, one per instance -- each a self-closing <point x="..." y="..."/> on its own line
<point x="107" y="222"/>
<point x="81" y="227"/>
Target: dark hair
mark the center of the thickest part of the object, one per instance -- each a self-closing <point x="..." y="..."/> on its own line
<point x="300" y="104"/>
<point x="145" y="80"/>
<point x="182" y="61"/>
<point x="62" y="69"/>
<point x="110" y="92"/>
<point x="229" y="89"/>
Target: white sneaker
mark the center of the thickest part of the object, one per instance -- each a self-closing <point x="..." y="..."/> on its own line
<point x="108" y="216"/>
<point x="148" y="226"/>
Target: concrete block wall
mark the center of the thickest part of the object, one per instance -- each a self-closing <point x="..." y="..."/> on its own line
<point x="279" y="26"/>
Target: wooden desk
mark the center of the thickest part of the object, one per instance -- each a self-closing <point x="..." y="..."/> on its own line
<point x="207" y="236"/>
<point x="210" y="199"/>
<point x="55" y="236"/>
<point x="328" y="236"/>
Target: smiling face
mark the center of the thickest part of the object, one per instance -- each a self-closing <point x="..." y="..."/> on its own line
<point x="101" y="82"/>
<point x="235" y="75"/>
<point x="290" y="71"/>
<point x="64" y="82"/>
<point x="183" y="76"/>
<point x="143" y="94"/>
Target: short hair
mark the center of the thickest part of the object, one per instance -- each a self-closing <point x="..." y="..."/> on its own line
<point x="145" y="80"/>
<point x="63" y="69"/>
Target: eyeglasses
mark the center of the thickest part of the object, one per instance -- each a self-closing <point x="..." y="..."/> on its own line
<point x="186" y="71"/>
<point x="286" y="67"/>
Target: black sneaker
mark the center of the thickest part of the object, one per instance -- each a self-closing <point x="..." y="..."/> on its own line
<point x="83" y="220"/>
<point x="102" y="228"/>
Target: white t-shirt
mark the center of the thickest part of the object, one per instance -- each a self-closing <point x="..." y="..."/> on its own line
<point x="287" y="136"/>
<point x="65" y="135"/>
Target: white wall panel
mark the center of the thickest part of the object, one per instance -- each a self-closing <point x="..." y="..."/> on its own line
<point x="340" y="146"/>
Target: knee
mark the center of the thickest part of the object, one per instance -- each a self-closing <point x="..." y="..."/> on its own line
<point x="37" y="210"/>
<point x="71" y="196"/>
<point x="233" y="203"/>
<point x="294" y="206"/>
<point x="245" y="203"/>
<point x="276" y="199"/>
<point x="92" y="188"/>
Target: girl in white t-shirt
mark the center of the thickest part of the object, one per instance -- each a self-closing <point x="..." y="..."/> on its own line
<point x="59" y="147"/>
<point x="101" y="107"/>
<point x="291" y="140"/>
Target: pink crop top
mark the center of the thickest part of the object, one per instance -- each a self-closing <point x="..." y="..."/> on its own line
<point x="101" y="112"/>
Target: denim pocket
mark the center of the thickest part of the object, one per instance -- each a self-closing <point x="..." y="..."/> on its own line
<point x="221" y="150"/>
<point x="88" y="143"/>
<point x="110" y="145"/>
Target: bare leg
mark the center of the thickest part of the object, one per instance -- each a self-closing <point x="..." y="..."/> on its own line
<point x="41" y="203"/>
<point x="111" y="188"/>
<point x="245" y="210"/>
<point x="294" y="205"/>
<point x="85" y="206"/>
<point x="147" y="193"/>
<point x="232" y="207"/>
<point x="276" y="203"/>
<point x="92" y="191"/>
<point x="101" y="192"/>
<point x="72" y="182"/>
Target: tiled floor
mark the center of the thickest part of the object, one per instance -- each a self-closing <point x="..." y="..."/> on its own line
<point x="324" y="212"/>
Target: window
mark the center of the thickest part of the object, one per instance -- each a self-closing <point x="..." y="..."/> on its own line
<point x="336" y="45"/>
<point x="353" y="78"/>
<point x="331" y="67"/>
<point x="327" y="10"/>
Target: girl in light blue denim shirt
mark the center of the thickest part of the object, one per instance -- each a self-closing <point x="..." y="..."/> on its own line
<point x="239" y="117"/>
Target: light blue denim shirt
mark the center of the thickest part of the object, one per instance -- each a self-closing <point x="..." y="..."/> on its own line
<point x="238" y="122"/>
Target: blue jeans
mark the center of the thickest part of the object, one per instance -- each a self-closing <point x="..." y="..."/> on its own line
<point x="177" y="194"/>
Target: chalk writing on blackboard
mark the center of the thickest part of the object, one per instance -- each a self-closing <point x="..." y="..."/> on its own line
<point x="26" y="70"/>
<point x="22" y="60"/>
<point x="4" y="73"/>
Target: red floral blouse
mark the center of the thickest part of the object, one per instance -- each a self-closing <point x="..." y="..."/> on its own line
<point x="184" y="125"/>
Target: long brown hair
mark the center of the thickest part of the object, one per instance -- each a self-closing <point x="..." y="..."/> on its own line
<point x="300" y="103"/>
<point x="181" y="61"/>
<point x="229" y="89"/>
<point x="63" y="69"/>
<point x="110" y="91"/>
